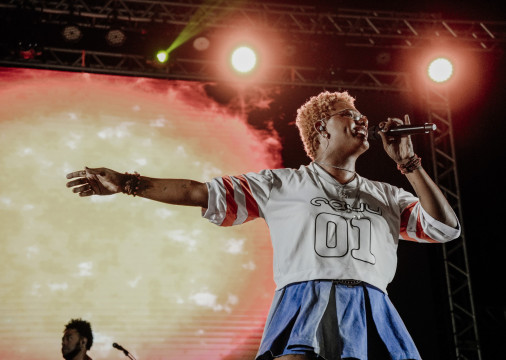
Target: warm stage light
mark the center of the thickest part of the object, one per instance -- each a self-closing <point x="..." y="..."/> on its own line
<point x="440" y="70"/>
<point x="243" y="59"/>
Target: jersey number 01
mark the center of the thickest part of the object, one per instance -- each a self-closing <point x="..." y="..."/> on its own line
<point x="336" y="234"/>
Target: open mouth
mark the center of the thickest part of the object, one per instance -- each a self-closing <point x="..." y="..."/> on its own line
<point x="360" y="131"/>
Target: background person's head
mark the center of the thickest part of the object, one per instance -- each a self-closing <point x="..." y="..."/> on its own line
<point x="77" y="338"/>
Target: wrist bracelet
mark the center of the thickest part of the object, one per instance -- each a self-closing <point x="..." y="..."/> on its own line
<point x="131" y="184"/>
<point x="414" y="163"/>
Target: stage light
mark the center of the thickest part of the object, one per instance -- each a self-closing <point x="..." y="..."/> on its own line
<point x="162" y="56"/>
<point x="115" y="37"/>
<point x="243" y="59"/>
<point x="71" y="33"/>
<point x="29" y="50"/>
<point x="440" y="70"/>
<point x="201" y="43"/>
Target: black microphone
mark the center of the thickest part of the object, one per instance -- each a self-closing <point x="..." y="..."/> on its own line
<point x="121" y="348"/>
<point x="401" y="130"/>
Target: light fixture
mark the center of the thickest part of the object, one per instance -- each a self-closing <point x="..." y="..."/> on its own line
<point x="243" y="59"/>
<point x="440" y="70"/>
<point x="71" y="33"/>
<point x="162" y="56"/>
<point x="115" y="37"/>
<point x="29" y="50"/>
<point x="201" y="43"/>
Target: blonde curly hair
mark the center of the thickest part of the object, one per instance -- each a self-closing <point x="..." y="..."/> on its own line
<point x="317" y="108"/>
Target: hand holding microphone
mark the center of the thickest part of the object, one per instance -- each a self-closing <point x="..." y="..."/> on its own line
<point x="401" y="130"/>
<point x="396" y="143"/>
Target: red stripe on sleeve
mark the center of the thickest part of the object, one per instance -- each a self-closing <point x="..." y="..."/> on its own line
<point x="251" y="204"/>
<point x="420" y="233"/>
<point x="404" y="221"/>
<point x="231" y="214"/>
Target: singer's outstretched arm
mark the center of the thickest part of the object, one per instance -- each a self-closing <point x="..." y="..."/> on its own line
<point x="400" y="149"/>
<point x="103" y="181"/>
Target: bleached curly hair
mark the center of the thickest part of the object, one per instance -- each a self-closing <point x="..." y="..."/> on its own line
<point x="317" y="108"/>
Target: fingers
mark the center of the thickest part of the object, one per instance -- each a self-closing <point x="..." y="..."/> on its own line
<point x="391" y="122"/>
<point x="82" y="188"/>
<point x="80" y="185"/>
<point x="80" y="181"/>
<point x="80" y="173"/>
<point x="87" y="193"/>
<point x="387" y="125"/>
<point x="407" y="121"/>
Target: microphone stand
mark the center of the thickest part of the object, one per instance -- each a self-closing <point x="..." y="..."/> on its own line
<point x="127" y="354"/>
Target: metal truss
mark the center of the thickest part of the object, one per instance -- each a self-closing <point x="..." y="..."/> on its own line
<point x="205" y="70"/>
<point x="458" y="278"/>
<point x="362" y="28"/>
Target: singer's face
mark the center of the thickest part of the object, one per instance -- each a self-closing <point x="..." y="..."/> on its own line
<point x="70" y="342"/>
<point x="347" y="130"/>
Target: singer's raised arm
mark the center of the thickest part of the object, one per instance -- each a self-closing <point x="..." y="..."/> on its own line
<point x="103" y="181"/>
<point x="400" y="149"/>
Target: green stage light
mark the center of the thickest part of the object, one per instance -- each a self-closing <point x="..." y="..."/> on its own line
<point x="162" y="56"/>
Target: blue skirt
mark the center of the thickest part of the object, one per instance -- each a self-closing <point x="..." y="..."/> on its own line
<point x="329" y="320"/>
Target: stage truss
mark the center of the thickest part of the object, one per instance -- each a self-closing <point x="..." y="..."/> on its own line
<point x="354" y="28"/>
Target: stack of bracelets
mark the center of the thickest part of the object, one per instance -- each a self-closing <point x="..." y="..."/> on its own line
<point x="415" y="162"/>
<point x="131" y="184"/>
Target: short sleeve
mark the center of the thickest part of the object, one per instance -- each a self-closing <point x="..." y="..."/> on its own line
<point x="237" y="199"/>
<point x="417" y="225"/>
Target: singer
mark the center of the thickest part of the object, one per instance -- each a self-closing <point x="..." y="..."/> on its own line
<point x="334" y="233"/>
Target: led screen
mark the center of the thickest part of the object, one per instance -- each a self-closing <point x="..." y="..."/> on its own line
<point x="157" y="279"/>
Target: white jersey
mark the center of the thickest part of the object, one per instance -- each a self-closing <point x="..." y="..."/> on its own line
<point x="322" y="230"/>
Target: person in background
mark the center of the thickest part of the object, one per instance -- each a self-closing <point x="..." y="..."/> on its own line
<point x="77" y="339"/>
<point x="334" y="233"/>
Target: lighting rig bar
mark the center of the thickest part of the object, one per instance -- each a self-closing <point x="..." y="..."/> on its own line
<point x="362" y="28"/>
<point x="356" y="28"/>
<point x="204" y="70"/>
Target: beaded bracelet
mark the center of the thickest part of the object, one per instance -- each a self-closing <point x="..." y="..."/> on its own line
<point x="415" y="162"/>
<point x="132" y="184"/>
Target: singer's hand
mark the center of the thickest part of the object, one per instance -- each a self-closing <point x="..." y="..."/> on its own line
<point x="99" y="181"/>
<point x="399" y="148"/>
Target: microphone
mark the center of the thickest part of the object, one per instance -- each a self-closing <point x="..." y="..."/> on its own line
<point x="401" y="130"/>
<point x="121" y="348"/>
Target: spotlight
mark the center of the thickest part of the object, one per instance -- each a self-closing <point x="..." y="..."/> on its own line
<point x="440" y="70"/>
<point x="115" y="37"/>
<point x="243" y="59"/>
<point x="162" y="56"/>
<point x="201" y="43"/>
<point x="72" y="33"/>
